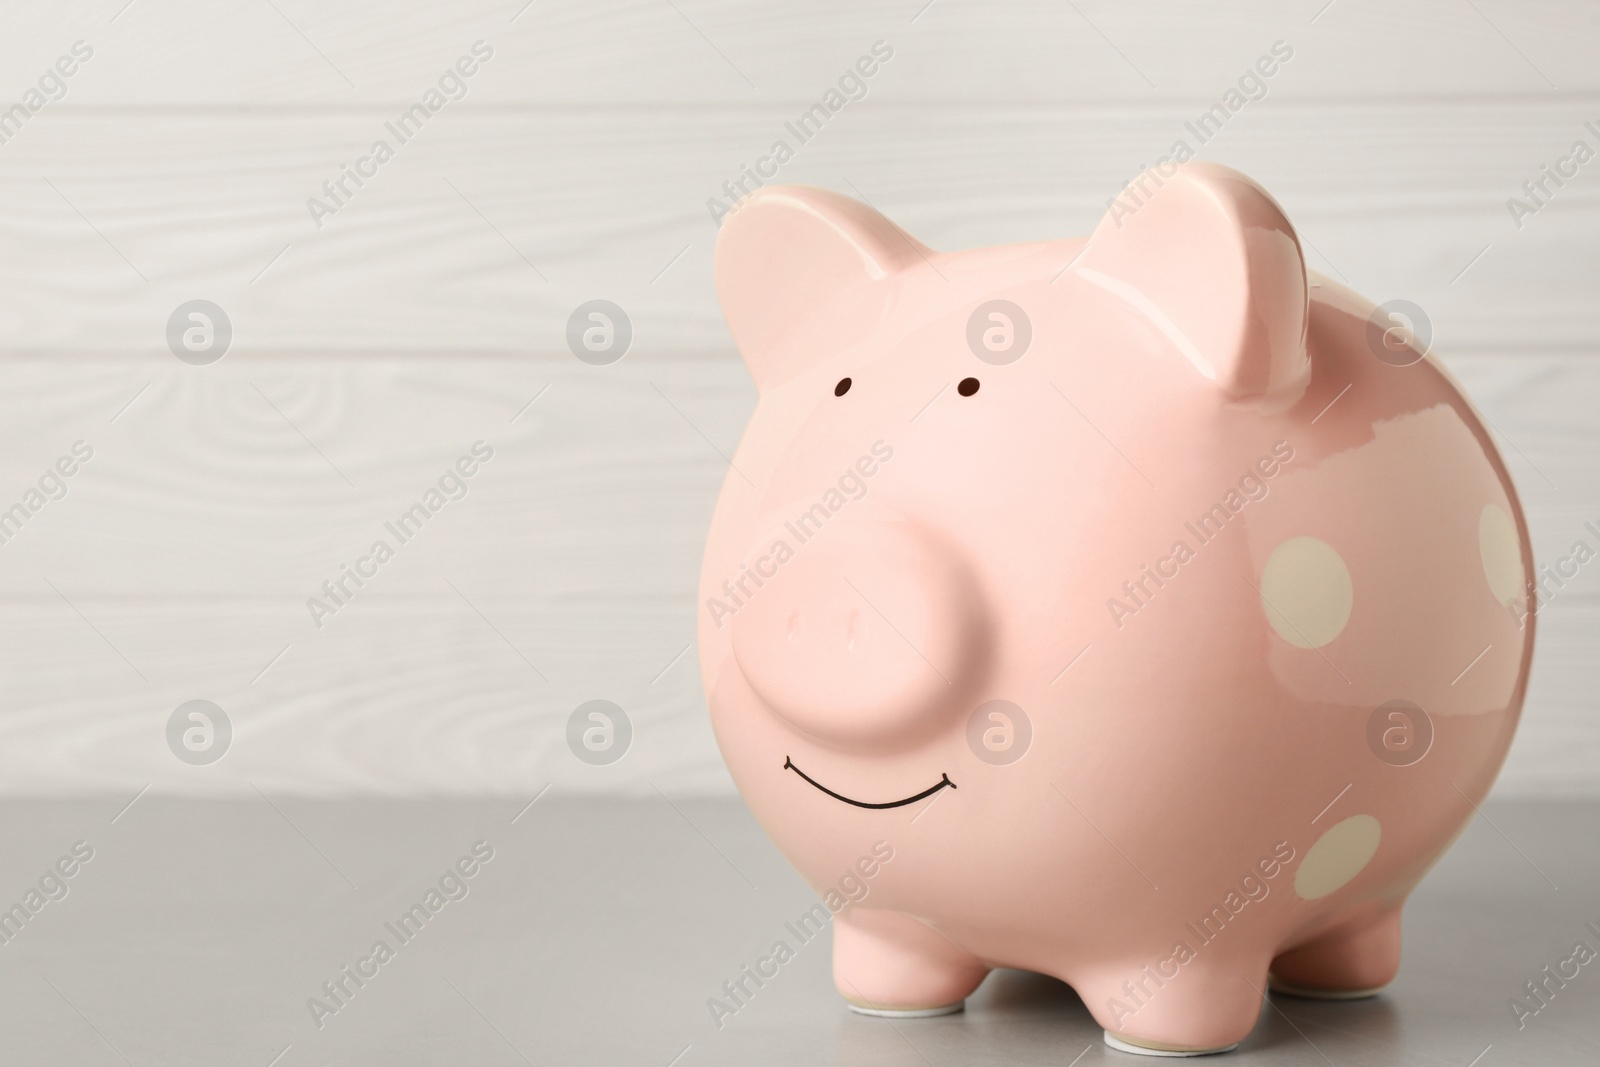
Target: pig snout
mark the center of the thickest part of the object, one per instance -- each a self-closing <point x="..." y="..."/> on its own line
<point x="869" y="634"/>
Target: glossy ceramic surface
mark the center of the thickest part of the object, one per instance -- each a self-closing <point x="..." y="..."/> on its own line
<point x="1155" y="603"/>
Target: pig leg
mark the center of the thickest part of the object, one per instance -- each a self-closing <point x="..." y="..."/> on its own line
<point x="888" y="963"/>
<point x="1356" y="959"/>
<point x="1209" y="1004"/>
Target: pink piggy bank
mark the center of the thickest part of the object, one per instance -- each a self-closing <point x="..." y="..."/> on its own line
<point x="1146" y="611"/>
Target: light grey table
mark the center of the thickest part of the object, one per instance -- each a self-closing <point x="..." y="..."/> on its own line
<point x="199" y="930"/>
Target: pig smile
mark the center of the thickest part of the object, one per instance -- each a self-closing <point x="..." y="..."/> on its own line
<point x="944" y="780"/>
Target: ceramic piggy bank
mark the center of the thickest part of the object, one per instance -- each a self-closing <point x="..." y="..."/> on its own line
<point x="1160" y="607"/>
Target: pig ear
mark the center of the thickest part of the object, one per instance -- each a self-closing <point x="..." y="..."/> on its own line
<point x="785" y="253"/>
<point x="1210" y="260"/>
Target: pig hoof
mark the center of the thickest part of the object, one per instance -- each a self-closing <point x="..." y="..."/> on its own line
<point x="889" y="964"/>
<point x="1128" y="1044"/>
<point x="1292" y="989"/>
<point x="906" y="1013"/>
<point x="1352" y="961"/>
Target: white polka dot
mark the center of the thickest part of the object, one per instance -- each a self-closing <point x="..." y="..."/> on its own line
<point x="1501" y="552"/>
<point x="1306" y="592"/>
<point x="1338" y="856"/>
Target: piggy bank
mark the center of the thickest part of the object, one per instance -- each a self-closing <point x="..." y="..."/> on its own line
<point x="1145" y="610"/>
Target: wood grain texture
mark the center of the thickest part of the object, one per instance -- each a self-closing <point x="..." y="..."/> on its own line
<point x="187" y="53"/>
<point x="179" y="563"/>
<point x="371" y="352"/>
<point x="484" y="232"/>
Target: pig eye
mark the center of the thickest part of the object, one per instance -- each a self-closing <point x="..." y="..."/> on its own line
<point x="842" y="388"/>
<point x="968" y="386"/>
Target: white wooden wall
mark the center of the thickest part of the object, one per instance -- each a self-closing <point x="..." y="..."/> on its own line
<point x="371" y="352"/>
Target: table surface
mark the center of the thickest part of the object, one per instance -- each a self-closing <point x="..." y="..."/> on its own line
<point x="198" y="932"/>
